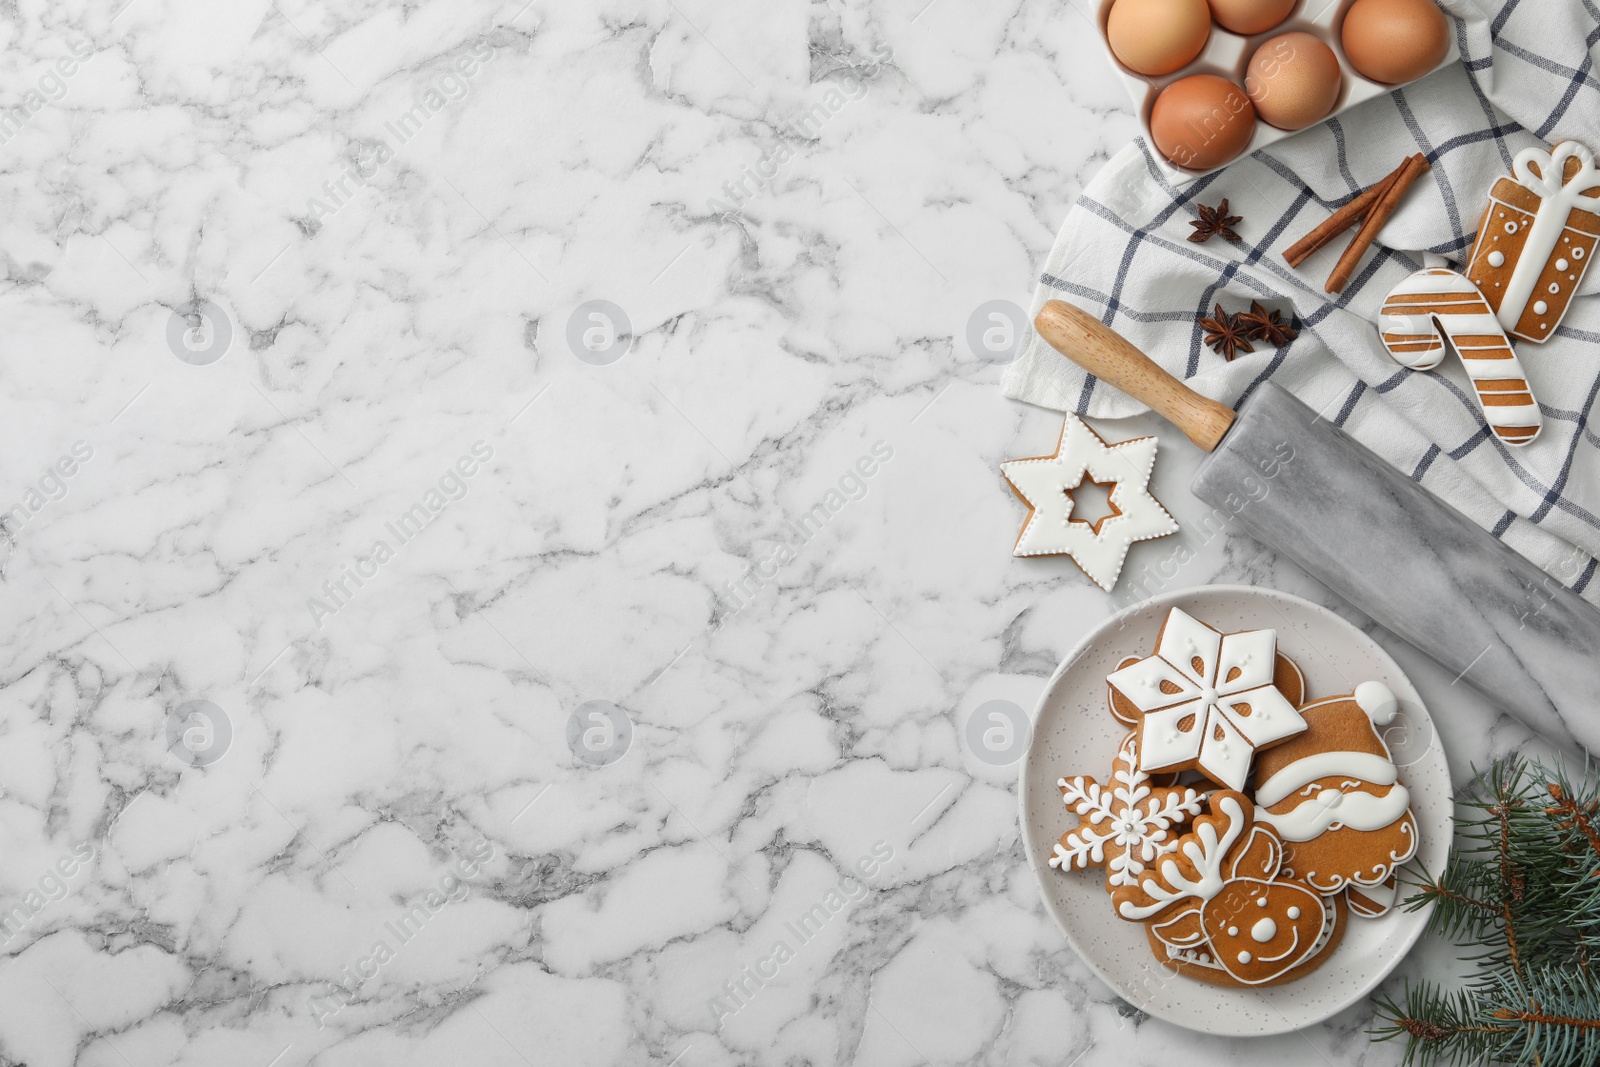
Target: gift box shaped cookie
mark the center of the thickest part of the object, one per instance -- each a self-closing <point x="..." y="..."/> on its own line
<point x="1537" y="238"/>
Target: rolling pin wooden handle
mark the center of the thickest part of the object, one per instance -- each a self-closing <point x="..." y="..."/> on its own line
<point x="1099" y="350"/>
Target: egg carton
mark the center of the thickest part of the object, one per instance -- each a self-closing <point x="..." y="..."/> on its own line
<point x="1228" y="55"/>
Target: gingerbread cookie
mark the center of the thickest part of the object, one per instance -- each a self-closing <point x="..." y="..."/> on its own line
<point x="1126" y="824"/>
<point x="1334" y="796"/>
<point x="1434" y="304"/>
<point x="1201" y="963"/>
<point x="1371" y="901"/>
<point x="1236" y="890"/>
<point x="1046" y="484"/>
<point x="1537" y="238"/>
<point x="1219" y="909"/>
<point x="1286" y="676"/>
<point x="1207" y="700"/>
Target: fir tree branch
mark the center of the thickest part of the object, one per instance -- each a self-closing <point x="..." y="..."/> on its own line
<point x="1438" y="892"/>
<point x="1577" y="817"/>
<point x="1523" y="889"/>
<point x="1438" y="1026"/>
<point x="1512" y="882"/>
<point x="1533" y="1015"/>
<point x="1510" y="928"/>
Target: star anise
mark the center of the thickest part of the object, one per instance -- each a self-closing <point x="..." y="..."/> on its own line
<point x="1214" y="222"/>
<point x="1225" y="334"/>
<point x="1262" y="325"/>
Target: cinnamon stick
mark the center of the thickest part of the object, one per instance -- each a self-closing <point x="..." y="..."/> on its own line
<point x="1339" y="221"/>
<point x="1381" y="210"/>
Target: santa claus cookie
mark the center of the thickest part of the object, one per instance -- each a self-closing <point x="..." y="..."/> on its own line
<point x="1218" y="911"/>
<point x="1333" y="795"/>
<point x="1207" y="700"/>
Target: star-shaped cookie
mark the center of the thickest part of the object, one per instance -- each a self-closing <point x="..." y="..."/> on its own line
<point x="1207" y="700"/>
<point x="1046" y="483"/>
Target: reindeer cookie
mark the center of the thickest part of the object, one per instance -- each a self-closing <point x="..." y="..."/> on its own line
<point x="1334" y="796"/>
<point x="1218" y="911"/>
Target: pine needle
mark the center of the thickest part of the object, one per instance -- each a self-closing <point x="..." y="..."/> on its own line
<point x="1521" y="895"/>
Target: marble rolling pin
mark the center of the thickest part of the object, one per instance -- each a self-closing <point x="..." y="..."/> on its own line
<point x="1388" y="546"/>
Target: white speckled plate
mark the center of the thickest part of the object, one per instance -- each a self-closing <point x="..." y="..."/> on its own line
<point x="1074" y="733"/>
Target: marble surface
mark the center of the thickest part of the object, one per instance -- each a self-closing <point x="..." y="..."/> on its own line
<point x="325" y="541"/>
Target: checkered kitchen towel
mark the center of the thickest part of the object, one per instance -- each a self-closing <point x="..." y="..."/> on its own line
<point x="1528" y="76"/>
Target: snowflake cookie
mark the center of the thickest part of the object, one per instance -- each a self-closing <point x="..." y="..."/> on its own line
<point x="1207" y="700"/>
<point x="1127" y="824"/>
<point x="1046" y="484"/>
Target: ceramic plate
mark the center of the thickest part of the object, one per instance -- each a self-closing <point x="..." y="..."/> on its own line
<point x="1074" y="733"/>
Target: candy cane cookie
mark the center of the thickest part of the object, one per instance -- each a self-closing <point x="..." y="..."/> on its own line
<point x="1435" y="304"/>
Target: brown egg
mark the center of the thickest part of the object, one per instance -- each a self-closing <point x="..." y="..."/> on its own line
<point x="1202" y="121"/>
<point x="1250" y="16"/>
<point x="1157" y="37"/>
<point x="1293" y="81"/>
<point x="1394" y="41"/>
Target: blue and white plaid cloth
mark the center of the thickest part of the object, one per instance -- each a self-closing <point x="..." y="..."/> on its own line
<point x="1528" y="76"/>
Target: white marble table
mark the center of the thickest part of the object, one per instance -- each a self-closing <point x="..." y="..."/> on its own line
<point x="386" y="221"/>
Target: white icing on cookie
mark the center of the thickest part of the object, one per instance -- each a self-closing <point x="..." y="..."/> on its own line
<point x="1125" y="823"/>
<point x="1547" y="236"/>
<point x="1364" y="766"/>
<point x="1331" y="809"/>
<point x="1434" y="304"/>
<point x="1046" y="484"/>
<point x="1378" y="701"/>
<point x="1207" y="699"/>
<point x="1204" y="850"/>
<point x="1544" y="173"/>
